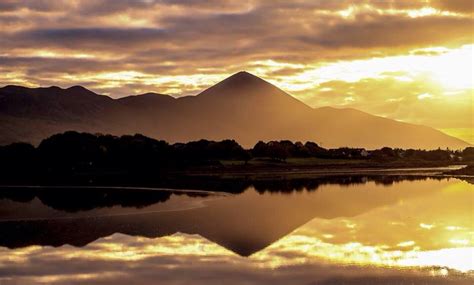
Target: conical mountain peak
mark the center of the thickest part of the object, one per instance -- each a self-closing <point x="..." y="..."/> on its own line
<point x="78" y="88"/>
<point x="244" y="75"/>
<point x="242" y="84"/>
<point x="79" y="91"/>
<point x="243" y="79"/>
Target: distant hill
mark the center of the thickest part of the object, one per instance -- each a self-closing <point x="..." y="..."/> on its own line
<point x="242" y="107"/>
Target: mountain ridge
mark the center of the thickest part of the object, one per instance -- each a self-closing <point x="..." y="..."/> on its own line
<point x="243" y="107"/>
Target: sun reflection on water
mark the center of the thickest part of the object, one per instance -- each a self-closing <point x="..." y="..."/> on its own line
<point x="433" y="231"/>
<point x="422" y="235"/>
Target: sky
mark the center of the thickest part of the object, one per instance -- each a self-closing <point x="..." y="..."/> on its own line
<point x="409" y="60"/>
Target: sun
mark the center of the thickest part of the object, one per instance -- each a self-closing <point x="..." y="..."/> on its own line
<point x="454" y="69"/>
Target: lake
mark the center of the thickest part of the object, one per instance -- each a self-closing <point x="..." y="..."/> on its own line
<point x="340" y="230"/>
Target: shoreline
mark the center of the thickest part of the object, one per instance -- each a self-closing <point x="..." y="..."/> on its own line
<point x="324" y="170"/>
<point x="188" y="180"/>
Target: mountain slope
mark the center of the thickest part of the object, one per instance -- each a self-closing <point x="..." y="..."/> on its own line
<point x="243" y="107"/>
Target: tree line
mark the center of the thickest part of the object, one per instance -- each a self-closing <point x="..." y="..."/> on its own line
<point x="73" y="152"/>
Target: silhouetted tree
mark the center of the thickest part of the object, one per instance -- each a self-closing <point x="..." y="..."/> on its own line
<point x="468" y="154"/>
<point x="18" y="158"/>
<point x="315" y="150"/>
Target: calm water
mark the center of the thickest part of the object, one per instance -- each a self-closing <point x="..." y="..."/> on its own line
<point x="408" y="232"/>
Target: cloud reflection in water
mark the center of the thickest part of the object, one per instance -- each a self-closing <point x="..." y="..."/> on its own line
<point x="424" y="238"/>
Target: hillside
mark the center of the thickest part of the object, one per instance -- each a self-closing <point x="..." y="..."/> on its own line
<point x="242" y="107"/>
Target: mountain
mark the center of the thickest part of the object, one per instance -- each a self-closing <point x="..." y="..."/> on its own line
<point x="243" y="107"/>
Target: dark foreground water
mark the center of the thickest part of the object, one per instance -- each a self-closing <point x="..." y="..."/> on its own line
<point x="408" y="232"/>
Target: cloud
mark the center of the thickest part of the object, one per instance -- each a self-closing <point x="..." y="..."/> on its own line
<point x="461" y="6"/>
<point x="183" y="259"/>
<point x="91" y="38"/>
<point x="34" y="5"/>
<point x="368" y="31"/>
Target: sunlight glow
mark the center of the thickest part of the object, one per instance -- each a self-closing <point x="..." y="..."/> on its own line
<point x="450" y="247"/>
<point x="450" y="69"/>
<point x="54" y="54"/>
<point x="352" y="11"/>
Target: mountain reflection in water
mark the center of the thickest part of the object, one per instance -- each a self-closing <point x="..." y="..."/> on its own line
<point x="418" y="231"/>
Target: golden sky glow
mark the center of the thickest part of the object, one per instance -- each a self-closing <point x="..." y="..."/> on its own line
<point x="407" y="60"/>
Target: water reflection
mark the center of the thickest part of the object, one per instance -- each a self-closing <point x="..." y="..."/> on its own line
<point x="435" y="229"/>
<point x="410" y="232"/>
